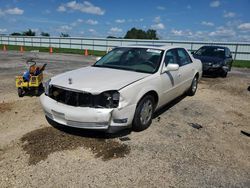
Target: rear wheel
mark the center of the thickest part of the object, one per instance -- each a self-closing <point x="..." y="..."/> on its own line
<point x="192" y="90"/>
<point x="143" y="113"/>
<point x="41" y="88"/>
<point x="20" y="92"/>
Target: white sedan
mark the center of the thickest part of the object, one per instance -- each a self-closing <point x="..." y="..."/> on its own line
<point x="123" y="89"/>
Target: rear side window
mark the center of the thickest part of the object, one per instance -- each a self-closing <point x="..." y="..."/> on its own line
<point x="183" y="57"/>
<point x="170" y="57"/>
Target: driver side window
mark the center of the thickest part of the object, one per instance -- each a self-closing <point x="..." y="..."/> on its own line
<point x="170" y="57"/>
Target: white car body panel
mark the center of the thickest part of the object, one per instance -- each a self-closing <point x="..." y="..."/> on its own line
<point x="132" y="86"/>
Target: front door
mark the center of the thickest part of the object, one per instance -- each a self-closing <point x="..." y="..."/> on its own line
<point x="170" y="80"/>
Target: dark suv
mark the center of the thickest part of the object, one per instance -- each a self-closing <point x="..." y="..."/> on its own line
<point x="215" y="59"/>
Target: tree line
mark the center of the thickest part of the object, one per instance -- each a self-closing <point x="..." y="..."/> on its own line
<point x="29" y="32"/>
<point x="133" y="33"/>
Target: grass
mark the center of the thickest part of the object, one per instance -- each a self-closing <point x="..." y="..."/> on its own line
<point x="55" y="50"/>
<point x="236" y="63"/>
<point x="241" y="63"/>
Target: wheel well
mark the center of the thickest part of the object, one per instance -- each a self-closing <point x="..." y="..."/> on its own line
<point x="197" y="75"/>
<point x="154" y="94"/>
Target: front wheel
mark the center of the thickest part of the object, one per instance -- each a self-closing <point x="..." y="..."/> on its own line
<point x="192" y="90"/>
<point x="143" y="113"/>
<point x="224" y="74"/>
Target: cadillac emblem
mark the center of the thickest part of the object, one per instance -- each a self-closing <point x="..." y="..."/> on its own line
<point x="70" y="80"/>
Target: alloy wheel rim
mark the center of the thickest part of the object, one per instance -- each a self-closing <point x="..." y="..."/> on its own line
<point x="194" y="85"/>
<point x="146" y="112"/>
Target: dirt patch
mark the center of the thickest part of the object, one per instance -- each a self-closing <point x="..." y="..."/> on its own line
<point x="234" y="112"/>
<point x="42" y="142"/>
<point x="4" y="107"/>
<point x="231" y="85"/>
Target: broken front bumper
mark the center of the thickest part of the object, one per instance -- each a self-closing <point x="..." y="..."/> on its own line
<point x="86" y="117"/>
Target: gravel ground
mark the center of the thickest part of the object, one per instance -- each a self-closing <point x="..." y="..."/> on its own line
<point x="192" y="142"/>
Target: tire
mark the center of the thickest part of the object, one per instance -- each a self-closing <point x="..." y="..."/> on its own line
<point x="20" y="92"/>
<point x="223" y="74"/>
<point x="41" y="88"/>
<point x="193" y="88"/>
<point x="143" y="113"/>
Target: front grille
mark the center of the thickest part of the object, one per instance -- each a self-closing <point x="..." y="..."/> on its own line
<point x="72" y="98"/>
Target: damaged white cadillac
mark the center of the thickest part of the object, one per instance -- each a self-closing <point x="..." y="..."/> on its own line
<point x="121" y="90"/>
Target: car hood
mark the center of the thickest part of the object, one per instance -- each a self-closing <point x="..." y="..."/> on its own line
<point x="96" y="79"/>
<point x="207" y="59"/>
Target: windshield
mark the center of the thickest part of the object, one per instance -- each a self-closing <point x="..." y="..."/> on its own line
<point x="144" y="60"/>
<point x="209" y="51"/>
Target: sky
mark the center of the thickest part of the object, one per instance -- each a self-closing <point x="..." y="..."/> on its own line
<point x="192" y="20"/>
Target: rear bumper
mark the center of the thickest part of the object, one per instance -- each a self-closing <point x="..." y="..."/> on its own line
<point x="86" y="117"/>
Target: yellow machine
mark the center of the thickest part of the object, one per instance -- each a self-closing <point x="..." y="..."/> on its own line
<point x="31" y="81"/>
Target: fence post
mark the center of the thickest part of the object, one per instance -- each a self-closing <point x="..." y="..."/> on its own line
<point x="236" y="51"/>
<point x="106" y="45"/>
<point x="60" y="45"/>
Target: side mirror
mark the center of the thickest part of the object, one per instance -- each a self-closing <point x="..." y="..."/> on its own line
<point x="192" y="52"/>
<point x="98" y="58"/>
<point x="171" y="67"/>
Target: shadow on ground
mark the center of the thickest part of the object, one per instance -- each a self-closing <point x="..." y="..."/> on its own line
<point x="168" y="106"/>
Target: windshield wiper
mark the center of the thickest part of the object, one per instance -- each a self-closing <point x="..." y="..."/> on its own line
<point x="112" y="67"/>
<point x="96" y="65"/>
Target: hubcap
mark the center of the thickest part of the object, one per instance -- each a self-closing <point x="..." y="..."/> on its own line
<point x="146" y="112"/>
<point x="194" y="85"/>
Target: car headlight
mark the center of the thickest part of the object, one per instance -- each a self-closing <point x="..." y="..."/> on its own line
<point x="216" y="65"/>
<point x="109" y="99"/>
<point x="46" y="87"/>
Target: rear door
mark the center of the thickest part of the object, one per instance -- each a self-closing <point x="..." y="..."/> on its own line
<point x="186" y="70"/>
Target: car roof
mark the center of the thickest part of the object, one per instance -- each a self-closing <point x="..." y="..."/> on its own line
<point x="158" y="47"/>
<point x="214" y="47"/>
